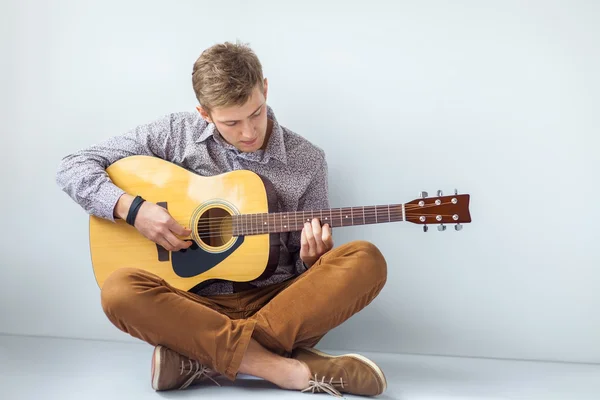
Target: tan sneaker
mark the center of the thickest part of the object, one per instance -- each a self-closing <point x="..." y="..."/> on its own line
<point x="348" y="373"/>
<point x="171" y="370"/>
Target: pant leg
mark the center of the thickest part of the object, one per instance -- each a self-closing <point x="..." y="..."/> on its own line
<point x="337" y="286"/>
<point x="145" y="306"/>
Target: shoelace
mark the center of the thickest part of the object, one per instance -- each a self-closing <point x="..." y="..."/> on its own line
<point x="322" y="385"/>
<point x="196" y="370"/>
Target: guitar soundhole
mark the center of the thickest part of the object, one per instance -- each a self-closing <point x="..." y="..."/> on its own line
<point x="214" y="227"/>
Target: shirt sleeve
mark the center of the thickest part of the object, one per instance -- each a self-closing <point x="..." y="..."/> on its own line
<point x="316" y="197"/>
<point x="82" y="175"/>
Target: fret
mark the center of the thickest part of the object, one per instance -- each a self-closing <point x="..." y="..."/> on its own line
<point x="389" y="218"/>
<point x="369" y="213"/>
<point x="268" y="223"/>
<point x="376" y="211"/>
<point x="364" y="219"/>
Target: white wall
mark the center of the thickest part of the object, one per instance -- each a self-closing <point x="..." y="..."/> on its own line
<point x="499" y="99"/>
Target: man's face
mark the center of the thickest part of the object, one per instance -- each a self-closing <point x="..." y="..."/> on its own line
<point x="244" y="127"/>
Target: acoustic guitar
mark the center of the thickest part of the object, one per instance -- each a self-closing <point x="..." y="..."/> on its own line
<point x="234" y="221"/>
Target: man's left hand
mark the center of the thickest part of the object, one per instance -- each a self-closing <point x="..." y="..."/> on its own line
<point x="315" y="241"/>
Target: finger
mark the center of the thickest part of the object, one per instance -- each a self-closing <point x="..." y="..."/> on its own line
<point x="165" y="244"/>
<point x="178" y="229"/>
<point x="175" y="242"/>
<point x="303" y="240"/>
<point x="310" y="238"/>
<point x="327" y="238"/>
<point x="303" y="244"/>
<point x="318" y="235"/>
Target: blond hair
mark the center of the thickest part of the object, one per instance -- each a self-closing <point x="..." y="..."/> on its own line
<point x="225" y="75"/>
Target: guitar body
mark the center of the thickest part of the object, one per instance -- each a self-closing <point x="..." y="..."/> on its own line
<point x="203" y="204"/>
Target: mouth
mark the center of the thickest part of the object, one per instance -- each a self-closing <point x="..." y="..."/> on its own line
<point x="250" y="143"/>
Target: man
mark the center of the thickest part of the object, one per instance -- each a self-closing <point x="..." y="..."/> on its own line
<point x="265" y="328"/>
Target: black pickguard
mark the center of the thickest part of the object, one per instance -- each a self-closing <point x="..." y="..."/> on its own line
<point x="195" y="260"/>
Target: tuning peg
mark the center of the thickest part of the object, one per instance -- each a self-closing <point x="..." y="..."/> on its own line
<point x="455" y="191"/>
<point x="441" y="227"/>
<point x="440" y="193"/>
<point x="458" y="227"/>
<point x="424" y="194"/>
<point x="425" y="228"/>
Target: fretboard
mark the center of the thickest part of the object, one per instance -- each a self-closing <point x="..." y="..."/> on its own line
<point x="257" y="224"/>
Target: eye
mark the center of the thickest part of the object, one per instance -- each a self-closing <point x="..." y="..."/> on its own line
<point x="256" y="114"/>
<point x="230" y="123"/>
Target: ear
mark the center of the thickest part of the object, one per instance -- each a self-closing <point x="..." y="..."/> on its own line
<point x="204" y="114"/>
<point x="266" y="87"/>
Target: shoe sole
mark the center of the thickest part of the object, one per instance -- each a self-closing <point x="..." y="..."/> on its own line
<point x="156" y="358"/>
<point x="370" y="363"/>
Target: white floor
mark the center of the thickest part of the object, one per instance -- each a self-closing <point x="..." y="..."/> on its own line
<point x="45" y="369"/>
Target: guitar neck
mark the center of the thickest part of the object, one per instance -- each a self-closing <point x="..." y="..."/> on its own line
<point x="257" y="224"/>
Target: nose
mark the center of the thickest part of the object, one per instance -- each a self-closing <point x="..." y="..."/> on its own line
<point x="248" y="131"/>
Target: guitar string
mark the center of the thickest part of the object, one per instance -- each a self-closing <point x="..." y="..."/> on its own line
<point x="255" y="223"/>
<point x="250" y="231"/>
<point x="334" y="212"/>
<point x="241" y="224"/>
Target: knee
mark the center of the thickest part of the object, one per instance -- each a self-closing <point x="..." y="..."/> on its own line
<point x="370" y="260"/>
<point x="118" y="291"/>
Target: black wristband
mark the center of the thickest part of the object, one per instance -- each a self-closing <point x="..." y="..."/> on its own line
<point x="133" y="210"/>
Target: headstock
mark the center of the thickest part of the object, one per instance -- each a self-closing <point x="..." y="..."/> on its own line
<point x="439" y="210"/>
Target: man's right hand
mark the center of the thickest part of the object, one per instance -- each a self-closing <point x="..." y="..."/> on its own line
<point x="155" y="223"/>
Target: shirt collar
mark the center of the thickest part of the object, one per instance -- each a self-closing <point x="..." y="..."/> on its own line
<point x="275" y="148"/>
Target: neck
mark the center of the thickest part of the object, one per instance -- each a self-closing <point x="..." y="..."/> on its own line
<point x="256" y="224"/>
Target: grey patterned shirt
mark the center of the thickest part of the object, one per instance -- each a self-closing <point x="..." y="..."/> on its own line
<point x="296" y="167"/>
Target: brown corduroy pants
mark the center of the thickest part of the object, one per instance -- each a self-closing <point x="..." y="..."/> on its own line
<point x="216" y="330"/>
